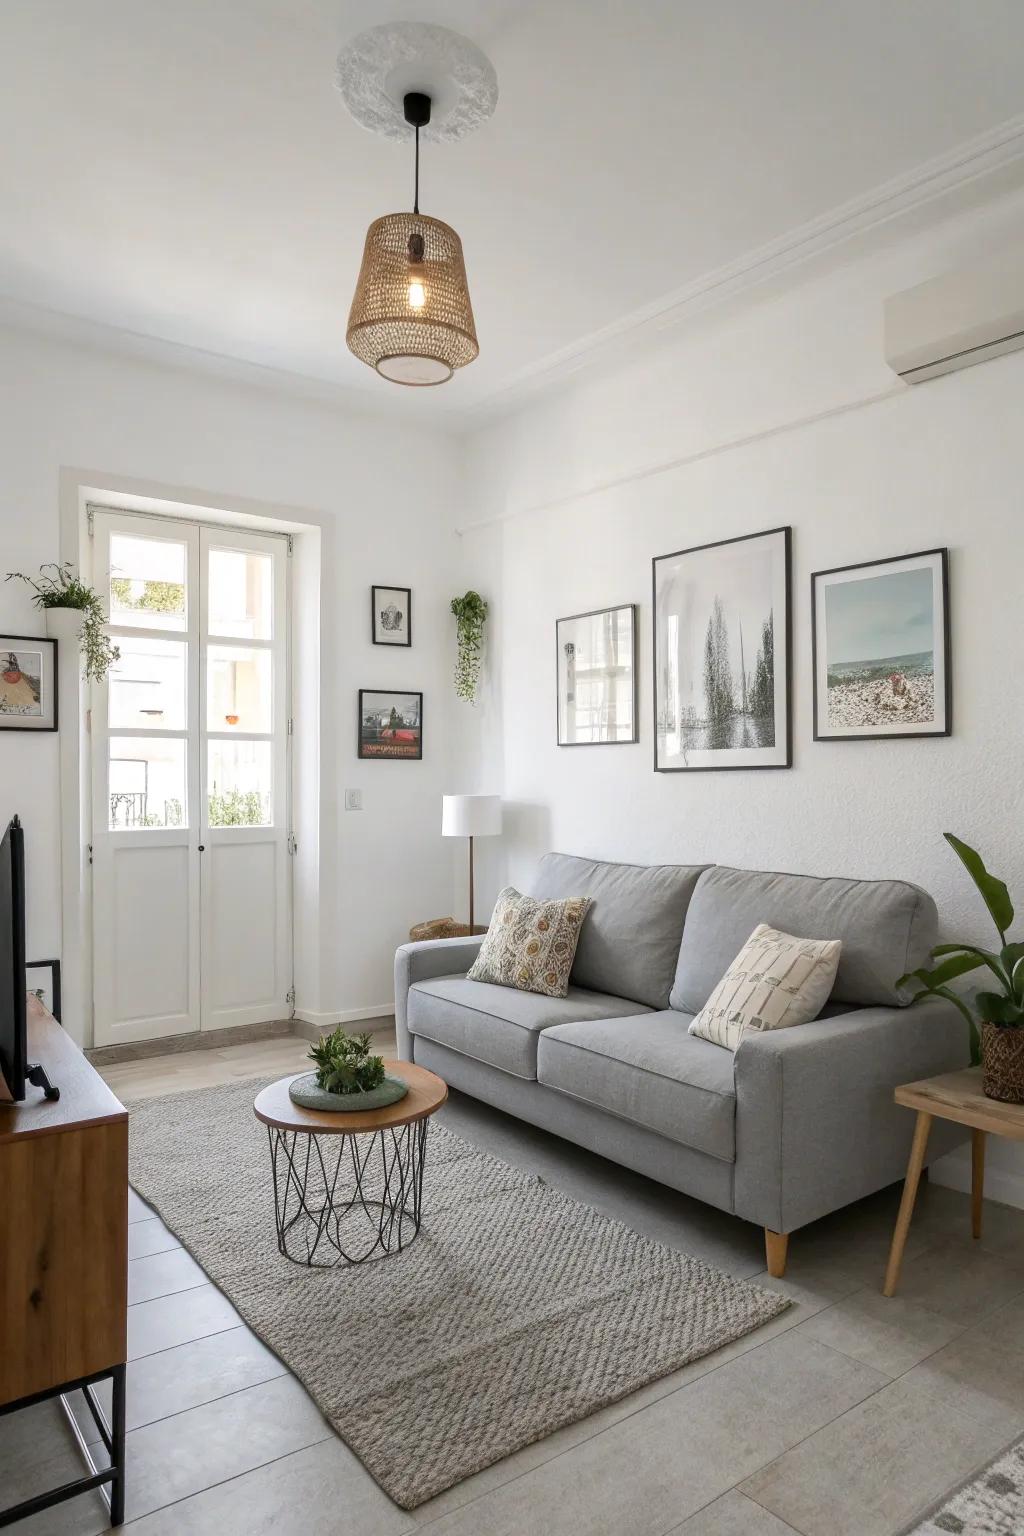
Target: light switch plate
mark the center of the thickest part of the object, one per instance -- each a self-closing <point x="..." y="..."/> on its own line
<point x="353" y="799"/>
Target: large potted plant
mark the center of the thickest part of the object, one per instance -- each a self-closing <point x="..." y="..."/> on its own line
<point x="73" y="611"/>
<point x="1000" y="1011"/>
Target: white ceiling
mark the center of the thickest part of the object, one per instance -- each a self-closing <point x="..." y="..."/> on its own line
<point x="185" y="170"/>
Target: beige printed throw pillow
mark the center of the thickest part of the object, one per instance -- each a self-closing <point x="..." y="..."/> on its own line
<point x="530" y="944"/>
<point x="775" y="982"/>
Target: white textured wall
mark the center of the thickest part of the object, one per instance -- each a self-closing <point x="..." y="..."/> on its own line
<point x="386" y="491"/>
<point x="942" y="464"/>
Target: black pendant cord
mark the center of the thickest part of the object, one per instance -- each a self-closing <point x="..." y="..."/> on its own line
<point x="417" y="114"/>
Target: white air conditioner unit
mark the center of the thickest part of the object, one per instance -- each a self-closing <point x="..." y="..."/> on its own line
<point x="956" y="320"/>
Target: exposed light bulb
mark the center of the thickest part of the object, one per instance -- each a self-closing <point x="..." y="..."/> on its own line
<point x="417" y="293"/>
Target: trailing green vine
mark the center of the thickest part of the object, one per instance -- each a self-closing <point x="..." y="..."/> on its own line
<point x="470" y="617"/>
<point x="64" y="590"/>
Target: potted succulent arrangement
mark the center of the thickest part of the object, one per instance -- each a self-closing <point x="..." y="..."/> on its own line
<point x="347" y="1077"/>
<point x="470" y="617"/>
<point x="73" y="611"/>
<point x="1000" y="1011"/>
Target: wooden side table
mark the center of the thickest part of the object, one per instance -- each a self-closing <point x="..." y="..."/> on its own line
<point x="953" y="1096"/>
<point x="352" y="1187"/>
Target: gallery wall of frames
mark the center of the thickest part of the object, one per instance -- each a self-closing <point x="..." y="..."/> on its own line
<point x="723" y="662"/>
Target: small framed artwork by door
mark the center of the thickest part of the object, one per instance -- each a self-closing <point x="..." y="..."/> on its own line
<point x="881" y="649"/>
<point x="596" y="662"/>
<point x="390" y="724"/>
<point x="28" y="683"/>
<point x="392" y="615"/>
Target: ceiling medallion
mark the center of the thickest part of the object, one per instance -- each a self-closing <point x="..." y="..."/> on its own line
<point x="411" y="317"/>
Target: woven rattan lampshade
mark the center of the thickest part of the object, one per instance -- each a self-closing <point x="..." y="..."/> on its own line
<point x="411" y="317"/>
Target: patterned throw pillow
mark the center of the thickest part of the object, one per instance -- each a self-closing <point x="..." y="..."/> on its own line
<point x="530" y="944"/>
<point x="775" y="981"/>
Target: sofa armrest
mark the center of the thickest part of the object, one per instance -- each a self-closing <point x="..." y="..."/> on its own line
<point x="421" y="962"/>
<point x="816" y="1126"/>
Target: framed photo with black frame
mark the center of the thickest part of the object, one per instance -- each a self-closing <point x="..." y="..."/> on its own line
<point x="596" y="678"/>
<point x="880" y="645"/>
<point x="391" y="615"/>
<point x="723" y="655"/>
<point x="28" y="683"/>
<point x="390" y="725"/>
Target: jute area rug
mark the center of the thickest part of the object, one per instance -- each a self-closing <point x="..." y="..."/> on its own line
<point x="991" y="1504"/>
<point x="516" y="1310"/>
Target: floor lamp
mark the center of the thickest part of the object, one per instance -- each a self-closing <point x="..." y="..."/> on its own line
<point x="470" y="816"/>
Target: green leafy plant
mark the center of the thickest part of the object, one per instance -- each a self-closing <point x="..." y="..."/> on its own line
<point x="344" y="1064"/>
<point x="470" y="617"/>
<point x="1003" y="1007"/>
<point x="236" y="808"/>
<point x="155" y="597"/>
<point x="62" y="589"/>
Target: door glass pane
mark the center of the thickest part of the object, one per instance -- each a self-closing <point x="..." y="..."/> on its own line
<point x="238" y="689"/>
<point x="147" y="685"/>
<point x="147" y="782"/>
<point x="238" y="783"/>
<point x="147" y="582"/>
<point x="241" y="594"/>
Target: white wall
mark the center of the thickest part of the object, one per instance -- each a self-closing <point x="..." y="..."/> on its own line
<point x="384" y="493"/>
<point x="942" y="464"/>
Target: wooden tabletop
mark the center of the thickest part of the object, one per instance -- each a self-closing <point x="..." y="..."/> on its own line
<point x="958" y="1096"/>
<point x="84" y="1099"/>
<point x="427" y="1092"/>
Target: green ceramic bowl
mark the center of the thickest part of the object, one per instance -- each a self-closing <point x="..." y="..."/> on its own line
<point x="305" y="1092"/>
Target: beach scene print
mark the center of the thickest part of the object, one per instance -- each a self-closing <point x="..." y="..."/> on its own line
<point x="20" y="683"/>
<point x="880" y="650"/>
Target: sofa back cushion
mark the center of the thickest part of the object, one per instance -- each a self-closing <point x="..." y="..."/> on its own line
<point x="886" y="927"/>
<point x="629" y="943"/>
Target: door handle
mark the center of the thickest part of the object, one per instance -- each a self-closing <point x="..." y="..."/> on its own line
<point x="202" y="847"/>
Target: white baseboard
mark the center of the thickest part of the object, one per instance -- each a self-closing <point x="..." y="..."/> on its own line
<point x="1002" y="1184"/>
<point x="345" y="1015"/>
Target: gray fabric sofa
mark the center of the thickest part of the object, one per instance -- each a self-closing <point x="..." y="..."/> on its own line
<point x="796" y="1124"/>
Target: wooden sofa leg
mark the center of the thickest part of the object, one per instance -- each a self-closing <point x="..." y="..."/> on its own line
<point x="775" y="1245"/>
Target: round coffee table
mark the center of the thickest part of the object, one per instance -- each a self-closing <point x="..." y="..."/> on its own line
<point x="348" y="1186"/>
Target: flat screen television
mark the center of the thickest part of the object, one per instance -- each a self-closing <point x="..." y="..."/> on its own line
<point x="13" y="1021"/>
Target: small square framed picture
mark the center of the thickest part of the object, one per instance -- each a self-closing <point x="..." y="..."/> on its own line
<point x="596" y="660"/>
<point x="28" y="683"/>
<point x="881" y="647"/>
<point x="392" y="615"/>
<point x="390" y="725"/>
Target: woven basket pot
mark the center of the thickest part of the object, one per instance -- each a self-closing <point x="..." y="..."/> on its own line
<point x="1002" y="1059"/>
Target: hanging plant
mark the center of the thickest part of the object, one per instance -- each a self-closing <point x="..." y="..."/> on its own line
<point x="64" y="590"/>
<point x="470" y="617"/>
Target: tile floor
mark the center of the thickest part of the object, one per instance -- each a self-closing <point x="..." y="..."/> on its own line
<point x="847" y="1414"/>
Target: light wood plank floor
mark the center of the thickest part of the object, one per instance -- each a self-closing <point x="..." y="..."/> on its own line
<point x="849" y="1415"/>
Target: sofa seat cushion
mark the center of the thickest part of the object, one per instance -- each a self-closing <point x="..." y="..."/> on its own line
<point x="630" y="940"/>
<point x="650" y="1071"/>
<point x="500" y="1025"/>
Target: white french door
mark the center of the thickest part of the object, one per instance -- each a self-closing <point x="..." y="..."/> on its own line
<point x="191" y="805"/>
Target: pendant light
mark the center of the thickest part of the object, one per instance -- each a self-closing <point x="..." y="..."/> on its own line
<point x="411" y="317"/>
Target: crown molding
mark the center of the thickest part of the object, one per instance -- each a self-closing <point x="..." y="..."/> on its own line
<point x="942" y="179"/>
<point x="998" y="149"/>
<point x="98" y="336"/>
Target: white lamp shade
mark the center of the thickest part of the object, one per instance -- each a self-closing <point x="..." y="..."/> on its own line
<point x="470" y="815"/>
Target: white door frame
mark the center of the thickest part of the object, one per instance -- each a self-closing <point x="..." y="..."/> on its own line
<point x="203" y="845"/>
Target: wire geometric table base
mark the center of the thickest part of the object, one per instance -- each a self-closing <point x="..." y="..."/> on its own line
<point x="363" y="1198"/>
